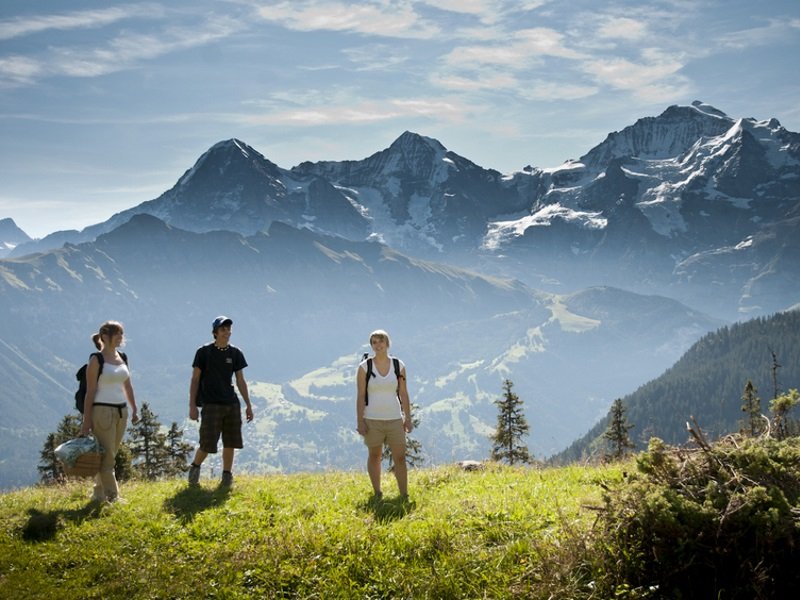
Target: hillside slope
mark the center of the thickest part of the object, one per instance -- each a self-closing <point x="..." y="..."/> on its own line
<point x="707" y="383"/>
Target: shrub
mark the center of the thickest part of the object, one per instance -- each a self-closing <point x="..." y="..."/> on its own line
<point x="721" y="521"/>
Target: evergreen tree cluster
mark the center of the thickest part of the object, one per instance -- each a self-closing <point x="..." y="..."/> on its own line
<point x="148" y="452"/>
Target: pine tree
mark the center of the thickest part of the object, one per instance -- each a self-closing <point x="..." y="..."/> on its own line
<point x="751" y="405"/>
<point x="50" y="468"/>
<point x="123" y="462"/>
<point x="780" y="407"/>
<point x="414" y="457"/>
<point x="775" y="367"/>
<point x="178" y="451"/>
<point x="511" y="426"/>
<point x="148" y="446"/>
<point x="617" y="432"/>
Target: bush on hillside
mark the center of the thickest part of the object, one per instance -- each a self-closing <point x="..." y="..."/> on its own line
<point x="720" y="521"/>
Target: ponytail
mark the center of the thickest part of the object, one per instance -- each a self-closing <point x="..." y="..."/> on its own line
<point x="109" y="328"/>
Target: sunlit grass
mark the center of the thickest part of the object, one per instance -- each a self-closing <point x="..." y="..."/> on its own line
<point x="495" y="533"/>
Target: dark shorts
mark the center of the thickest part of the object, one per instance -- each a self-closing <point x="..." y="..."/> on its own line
<point x="224" y="420"/>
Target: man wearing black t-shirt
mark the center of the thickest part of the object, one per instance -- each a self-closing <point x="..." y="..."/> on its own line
<point x="211" y="389"/>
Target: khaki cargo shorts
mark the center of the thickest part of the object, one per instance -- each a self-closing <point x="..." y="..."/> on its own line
<point x="384" y="432"/>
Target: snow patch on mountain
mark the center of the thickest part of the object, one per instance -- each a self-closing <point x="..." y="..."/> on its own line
<point x="502" y="231"/>
<point x="453" y="375"/>
<point x="371" y="203"/>
<point x="279" y="409"/>
<point x="534" y="342"/>
<point x="336" y="376"/>
<point x="662" y="207"/>
<point x="419" y="209"/>
<point x="569" y="321"/>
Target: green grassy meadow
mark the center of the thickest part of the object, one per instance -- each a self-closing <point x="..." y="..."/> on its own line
<point x="500" y="532"/>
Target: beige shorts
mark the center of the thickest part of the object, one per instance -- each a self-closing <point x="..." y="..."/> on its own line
<point x="384" y="432"/>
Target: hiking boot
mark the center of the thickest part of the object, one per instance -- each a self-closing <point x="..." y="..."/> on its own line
<point x="194" y="474"/>
<point x="227" y="479"/>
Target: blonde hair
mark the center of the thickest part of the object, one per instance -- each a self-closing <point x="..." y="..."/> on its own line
<point x="380" y="333"/>
<point x="107" y="329"/>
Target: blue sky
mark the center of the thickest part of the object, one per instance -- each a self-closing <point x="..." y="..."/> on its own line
<point x="104" y="105"/>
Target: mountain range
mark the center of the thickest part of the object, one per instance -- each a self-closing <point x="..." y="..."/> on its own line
<point x="679" y="204"/>
<point x="577" y="283"/>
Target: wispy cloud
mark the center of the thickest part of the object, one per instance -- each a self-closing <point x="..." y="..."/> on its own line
<point x="128" y="49"/>
<point x="376" y="57"/>
<point x="622" y="28"/>
<point x="487" y="11"/>
<point x="16" y="70"/>
<point x="484" y="80"/>
<point x="510" y="62"/>
<point x="362" y="112"/>
<point x="518" y="51"/>
<point x="123" y="51"/>
<point x="21" y="26"/>
<point x="557" y="90"/>
<point x="385" y="19"/>
<point x="655" y="77"/>
<point x="775" y="31"/>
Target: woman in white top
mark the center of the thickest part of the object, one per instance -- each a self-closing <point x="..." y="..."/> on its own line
<point x="105" y="413"/>
<point x="383" y="411"/>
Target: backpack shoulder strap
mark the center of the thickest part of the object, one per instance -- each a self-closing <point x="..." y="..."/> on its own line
<point x="399" y="376"/>
<point x="124" y="357"/>
<point x="100" y="361"/>
<point x="366" y="380"/>
<point x="370" y="373"/>
<point x="397" y="372"/>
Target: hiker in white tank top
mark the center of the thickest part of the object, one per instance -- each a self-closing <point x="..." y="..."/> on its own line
<point x="382" y="392"/>
<point x="383" y="413"/>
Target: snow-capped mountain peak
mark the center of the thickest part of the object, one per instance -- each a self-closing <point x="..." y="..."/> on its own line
<point x="673" y="132"/>
<point x="707" y="109"/>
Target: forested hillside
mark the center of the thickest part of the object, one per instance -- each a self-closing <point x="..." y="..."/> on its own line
<point x="707" y="383"/>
